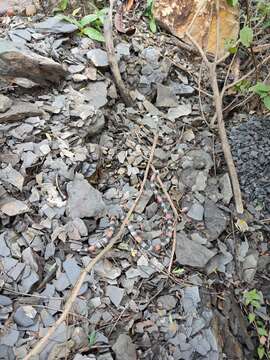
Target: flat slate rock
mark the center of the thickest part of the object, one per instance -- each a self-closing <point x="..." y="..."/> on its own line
<point x="115" y="294"/>
<point x="19" y="62"/>
<point x="98" y="57"/>
<point x="20" y="111"/>
<point x="215" y="220"/>
<point x="12" y="176"/>
<point x="83" y="199"/>
<point x="5" y="103"/>
<point x="12" y="207"/>
<point x="124" y="349"/>
<point x="191" y="253"/>
<point x="55" y="25"/>
<point x="165" y="97"/>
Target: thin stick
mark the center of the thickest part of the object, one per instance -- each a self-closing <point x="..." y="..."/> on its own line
<point x="74" y="293"/>
<point x="108" y="35"/>
<point x="221" y="127"/>
<point x="246" y="75"/>
<point x="225" y="143"/>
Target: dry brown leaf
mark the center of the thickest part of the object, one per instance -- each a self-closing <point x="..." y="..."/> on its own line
<point x="128" y="5"/>
<point x="199" y="19"/>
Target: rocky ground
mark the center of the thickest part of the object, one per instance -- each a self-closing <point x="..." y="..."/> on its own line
<point x="72" y="160"/>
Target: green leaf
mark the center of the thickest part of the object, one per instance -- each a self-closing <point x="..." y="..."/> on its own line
<point x="266" y="101"/>
<point x="93" y="34"/>
<point x="149" y="3"/>
<point x="261" y="352"/>
<point x="266" y="25"/>
<point x="251" y="317"/>
<point x="92" y="339"/>
<point x="152" y="25"/>
<point x="246" y="36"/>
<point x="70" y="20"/>
<point x="88" y="19"/>
<point x="262" y="331"/>
<point x="102" y="14"/>
<point x="232" y="2"/>
<point x="260" y="88"/>
<point x="178" y="271"/>
<point x="253" y="297"/>
<point x="63" y="4"/>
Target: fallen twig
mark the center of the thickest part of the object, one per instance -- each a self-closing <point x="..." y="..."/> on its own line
<point x="74" y="293"/>
<point x="112" y="57"/>
<point x="221" y="127"/>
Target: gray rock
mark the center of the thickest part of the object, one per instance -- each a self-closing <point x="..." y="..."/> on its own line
<point x="96" y="94"/>
<point x="144" y="200"/>
<point x="22" y="131"/>
<point x="80" y="337"/>
<point x="115" y="294"/>
<point x="83" y="199"/>
<point x="168" y="302"/>
<point x="25" y="316"/>
<point x="250" y="266"/>
<point x="9" y="337"/>
<point x="196" y="212"/>
<point x="6" y="353"/>
<point x="191" y="253"/>
<point x="5" y="301"/>
<point x="96" y="124"/>
<point x="62" y="282"/>
<point x="4" y="249"/>
<point x="74" y="69"/>
<point x="39" y="69"/>
<point x="182" y="89"/>
<point x="55" y="25"/>
<point x="5" y="103"/>
<point x="201" y="181"/>
<point x="20" y="111"/>
<point x="197" y="325"/>
<point x="226" y="188"/>
<point x="77" y="78"/>
<point x="215" y="220"/>
<point x="201" y="159"/>
<point x="16" y="271"/>
<point x="179" y="111"/>
<point x="151" y="55"/>
<point x="98" y="57"/>
<point x="22" y="33"/>
<point x="13" y="207"/>
<point x="46" y="318"/>
<point x="122" y="50"/>
<point x="29" y="258"/>
<point x="72" y="270"/>
<point x="190" y="299"/>
<point x="219" y="262"/>
<point x="124" y="349"/>
<point x="106" y="356"/>
<point x="165" y="97"/>
<point x="84" y="357"/>
<point x="28" y="282"/>
<point x="200" y="345"/>
<point x="106" y="269"/>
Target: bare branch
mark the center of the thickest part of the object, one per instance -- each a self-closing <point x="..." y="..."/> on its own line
<point x="112" y="57"/>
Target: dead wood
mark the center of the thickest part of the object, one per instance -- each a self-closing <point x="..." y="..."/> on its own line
<point x="108" y="27"/>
